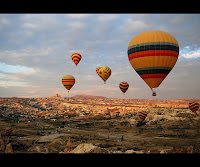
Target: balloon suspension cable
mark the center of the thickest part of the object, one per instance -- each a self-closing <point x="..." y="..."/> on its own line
<point x="104" y="82"/>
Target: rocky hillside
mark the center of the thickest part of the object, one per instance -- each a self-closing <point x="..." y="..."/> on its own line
<point x="88" y="97"/>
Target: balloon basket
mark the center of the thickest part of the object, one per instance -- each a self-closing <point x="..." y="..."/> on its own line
<point x="154" y="93"/>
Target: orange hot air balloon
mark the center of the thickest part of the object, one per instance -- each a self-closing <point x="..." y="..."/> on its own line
<point x="153" y="55"/>
<point x="8" y="131"/>
<point x="124" y="86"/>
<point x="142" y="115"/>
<point x="193" y="106"/>
<point x="68" y="82"/>
<point x="104" y="73"/>
<point x="76" y="58"/>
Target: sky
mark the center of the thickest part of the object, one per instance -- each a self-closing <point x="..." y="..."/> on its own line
<point x="36" y="49"/>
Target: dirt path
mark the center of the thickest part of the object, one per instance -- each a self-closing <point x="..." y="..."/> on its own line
<point x="106" y="135"/>
<point x="51" y="137"/>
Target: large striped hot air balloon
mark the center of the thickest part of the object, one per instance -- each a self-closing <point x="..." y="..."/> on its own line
<point x="8" y="131"/>
<point x="194" y="106"/>
<point x="153" y="55"/>
<point x="104" y="73"/>
<point x="142" y="115"/>
<point x="76" y="58"/>
<point x="124" y="86"/>
<point x="68" y="81"/>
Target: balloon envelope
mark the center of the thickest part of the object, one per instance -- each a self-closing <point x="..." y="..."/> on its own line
<point x="8" y="131"/>
<point x="194" y="106"/>
<point x="76" y="58"/>
<point x="104" y="73"/>
<point x="124" y="86"/>
<point x="153" y="55"/>
<point x="142" y="115"/>
<point x="97" y="70"/>
<point x="68" y="82"/>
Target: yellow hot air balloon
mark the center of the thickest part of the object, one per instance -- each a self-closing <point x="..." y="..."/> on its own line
<point x="76" y="58"/>
<point x="68" y="81"/>
<point x="104" y="73"/>
<point x="153" y="55"/>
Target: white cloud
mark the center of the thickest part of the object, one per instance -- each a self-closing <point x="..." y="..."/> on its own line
<point x="4" y="21"/>
<point x="107" y="17"/>
<point x="7" y="84"/>
<point x="133" y="25"/>
<point x="76" y="25"/>
<point x="30" y="25"/>
<point x="28" y="71"/>
<point x="192" y="55"/>
<point x="77" y="16"/>
<point x="24" y="52"/>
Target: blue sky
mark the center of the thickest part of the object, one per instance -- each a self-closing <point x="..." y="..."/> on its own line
<point x="35" y="53"/>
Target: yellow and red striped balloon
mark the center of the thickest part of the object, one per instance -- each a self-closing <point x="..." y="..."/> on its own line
<point x="153" y="55"/>
<point x="124" y="86"/>
<point x="8" y="131"/>
<point x="142" y="115"/>
<point x="194" y="106"/>
<point x="68" y="82"/>
<point x="76" y="58"/>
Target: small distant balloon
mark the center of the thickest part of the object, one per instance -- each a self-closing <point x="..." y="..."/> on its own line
<point x="124" y="86"/>
<point x="8" y="131"/>
<point x="104" y="73"/>
<point x="68" y="82"/>
<point x="142" y="115"/>
<point x="194" y="106"/>
<point x="76" y="58"/>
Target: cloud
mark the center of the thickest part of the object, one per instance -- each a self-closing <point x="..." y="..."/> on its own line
<point x="7" y="84"/>
<point x="107" y="17"/>
<point x="76" y="25"/>
<point x="17" y="69"/>
<point x="192" y="55"/>
<point x="31" y="26"/>
<point x="77" y="16"/>
<point x="134" y="24"/>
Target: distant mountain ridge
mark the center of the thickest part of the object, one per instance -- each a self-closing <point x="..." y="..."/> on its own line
<point x="88" y="97"/>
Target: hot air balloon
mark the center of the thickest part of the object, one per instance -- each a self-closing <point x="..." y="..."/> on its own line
<point x="104" y="73"/>
<point x="153" y="55"/>
<point x="76" y="58"/>
<point x="123" y="86"/>
<point x="194" y="106"/>
<point x="68" y="81"/>
<point x="142" y="115"/>
<point x="8" y="131"/>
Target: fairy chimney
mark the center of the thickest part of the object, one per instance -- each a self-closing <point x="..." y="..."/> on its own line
<point x="9" y="148"/>
<point x="68" y="147"/>
<point x="2" y="148"/>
